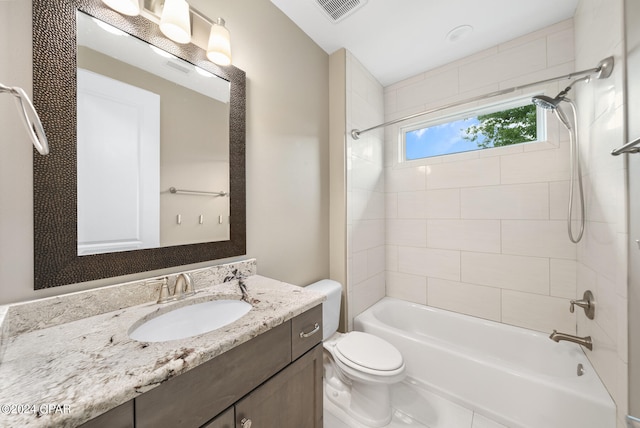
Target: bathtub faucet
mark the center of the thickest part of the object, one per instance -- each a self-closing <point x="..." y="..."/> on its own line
<point x="584" y="341"/>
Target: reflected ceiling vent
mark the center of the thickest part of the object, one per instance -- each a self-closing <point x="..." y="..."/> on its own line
<point x="178" y="67"/>
<point x="337" y="10"/>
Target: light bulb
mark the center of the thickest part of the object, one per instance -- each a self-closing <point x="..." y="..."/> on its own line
<point x="219" y="48"/>
<point x="175" y="22"/>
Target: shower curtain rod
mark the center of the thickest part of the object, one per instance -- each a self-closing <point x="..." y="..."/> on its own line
<point x="604" y="69"/>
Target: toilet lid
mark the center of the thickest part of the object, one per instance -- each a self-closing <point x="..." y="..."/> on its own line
<point x="366" y="350"/>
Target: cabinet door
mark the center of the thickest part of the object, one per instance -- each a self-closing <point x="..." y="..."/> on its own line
<point x="120" y="417"/>
<point x="224" y="420"/>
<point x="290" y="399"/>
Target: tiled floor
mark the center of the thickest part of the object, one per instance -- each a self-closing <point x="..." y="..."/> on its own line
<point x="415" y="407"/>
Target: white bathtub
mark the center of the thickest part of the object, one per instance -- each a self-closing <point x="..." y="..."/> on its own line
<point x="515" y="376"/>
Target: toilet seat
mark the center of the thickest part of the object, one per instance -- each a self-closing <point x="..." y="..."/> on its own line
<point x="367" y="353"/>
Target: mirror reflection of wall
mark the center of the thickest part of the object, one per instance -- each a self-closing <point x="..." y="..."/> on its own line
<point x="177" y="135"/>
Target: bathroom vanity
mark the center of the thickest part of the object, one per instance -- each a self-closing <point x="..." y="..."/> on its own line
<point x="264" y="369"/>
<point x="291" y="397"/>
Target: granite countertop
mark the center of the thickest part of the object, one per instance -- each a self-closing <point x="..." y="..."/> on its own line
<point x="70" y="373"/>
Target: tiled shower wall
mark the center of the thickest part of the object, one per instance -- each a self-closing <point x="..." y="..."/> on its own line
<point x="365" y="190"/>
<point x="602" y="254"/>
<point x="484" y="232"/>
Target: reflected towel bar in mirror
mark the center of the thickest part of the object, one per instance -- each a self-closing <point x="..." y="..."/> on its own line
<point x="196" y="192"/>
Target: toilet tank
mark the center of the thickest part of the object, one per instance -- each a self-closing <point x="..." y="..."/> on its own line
<point x="330" y="307"/>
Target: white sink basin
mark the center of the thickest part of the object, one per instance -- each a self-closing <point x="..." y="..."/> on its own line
<point x="190" y="320"/>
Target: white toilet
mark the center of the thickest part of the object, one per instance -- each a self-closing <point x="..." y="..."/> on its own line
<point x="358" y="367"/>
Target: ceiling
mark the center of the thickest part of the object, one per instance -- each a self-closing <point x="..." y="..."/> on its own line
<point x="396" y="39"/>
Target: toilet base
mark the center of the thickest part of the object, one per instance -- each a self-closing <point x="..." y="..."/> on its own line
<point x="368" y="404"/>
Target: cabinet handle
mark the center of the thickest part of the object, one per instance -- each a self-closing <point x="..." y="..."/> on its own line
<point x="316" y="328"/>
<point x="245" y="423"/>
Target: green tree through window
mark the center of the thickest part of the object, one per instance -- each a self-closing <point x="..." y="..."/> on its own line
<point x="503" y="128"/>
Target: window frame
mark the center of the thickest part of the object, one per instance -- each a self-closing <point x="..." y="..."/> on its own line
<point x="475" y="111"/>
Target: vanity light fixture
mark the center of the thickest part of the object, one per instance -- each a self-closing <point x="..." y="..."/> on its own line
<point x="125" y="7"/>
<point x="175" y="22"/>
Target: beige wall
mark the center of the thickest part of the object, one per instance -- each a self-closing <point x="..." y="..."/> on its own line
<point x="287" y="147"/>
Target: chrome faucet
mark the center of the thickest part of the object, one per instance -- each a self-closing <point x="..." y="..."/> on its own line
<point x="183" y="288"/>
<point x="584" y="341"/>
<point x="241" y="284"/>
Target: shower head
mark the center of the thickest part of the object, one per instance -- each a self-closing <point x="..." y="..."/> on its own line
<point x="546" y="102"/>
<point x="552" y="104"/>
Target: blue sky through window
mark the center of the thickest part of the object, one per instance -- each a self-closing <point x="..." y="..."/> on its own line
<point x="440" y="139"/>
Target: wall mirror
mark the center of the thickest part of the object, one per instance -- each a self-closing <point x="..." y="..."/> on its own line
<point x="197" y="145"/>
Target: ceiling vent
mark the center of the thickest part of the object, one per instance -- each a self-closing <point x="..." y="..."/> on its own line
<point x="337" y="10"/>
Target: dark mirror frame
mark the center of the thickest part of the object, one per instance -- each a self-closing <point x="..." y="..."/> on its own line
<point x="56" y="260"/>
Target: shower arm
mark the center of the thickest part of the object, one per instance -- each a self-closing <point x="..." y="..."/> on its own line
<point x="602" y="71"/>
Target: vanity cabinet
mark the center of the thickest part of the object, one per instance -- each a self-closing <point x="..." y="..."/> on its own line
<point x="274" y="379"/>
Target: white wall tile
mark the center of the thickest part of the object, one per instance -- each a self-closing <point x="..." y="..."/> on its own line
<point x="542" y="313"/>
<point x="530" y="274"/>
<point x="391" y="258"/>
<point x="405" y="179"/>
<point x="538" y="166"/>
<point x="558" y="200"/>
<point x="367" y="234"/>
<point x="367" y="293"/>
<point x="366" y="175"/>
<point x="467" y="235"/>
<point x="412" y="288"/>
<point x="375" y="261"/>
<point x="443" y="203"/>
<point x="537" y="238"/>
<point x="391" y="205"/>
<point x="412" y="204"/>
<point x="443" y="264"/>
<point x="474" y="300"/>
<point x="437" y="87"/>
<point x="407" y="232"/>
<point x="558" y="44"/>
<point x="358" y="266"/>
<point x="523" y="201"/>
<point x="563" y="278"/>
<point x="506" y="64"/>
<point x="599" y="249"/>
<point x="470" y="173"/>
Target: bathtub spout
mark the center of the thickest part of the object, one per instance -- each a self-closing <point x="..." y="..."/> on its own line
<point x="584" y="341"/>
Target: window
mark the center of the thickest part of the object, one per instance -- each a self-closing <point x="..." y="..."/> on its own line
<point x="505" y="124"/>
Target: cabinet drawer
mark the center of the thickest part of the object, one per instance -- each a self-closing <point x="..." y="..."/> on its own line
<point x="306" y="331"/>
<point x="189" y="400"/>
